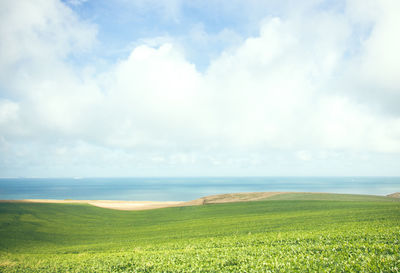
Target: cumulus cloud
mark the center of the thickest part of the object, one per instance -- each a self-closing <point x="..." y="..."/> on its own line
<point x="303" y="89"/>
<point x="374" y="71"/>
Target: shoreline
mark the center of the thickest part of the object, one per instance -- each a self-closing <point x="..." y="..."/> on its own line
<point x="210" y="199"/>
<point x="109" y="204"/>
<point x="145" y="205"/>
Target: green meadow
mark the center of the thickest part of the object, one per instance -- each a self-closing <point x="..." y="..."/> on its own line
<point x="296" y="233"/>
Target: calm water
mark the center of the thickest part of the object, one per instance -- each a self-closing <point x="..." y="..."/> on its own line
<point x="183" y="189"/>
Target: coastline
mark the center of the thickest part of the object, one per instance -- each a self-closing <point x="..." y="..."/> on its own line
<point x="109" y="204"/>
<point x="146" y="205"/>
<point x="213" y="199"/>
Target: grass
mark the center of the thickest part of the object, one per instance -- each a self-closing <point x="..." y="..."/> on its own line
<point x="266" y="236"/>
<point x="331" y="197"/>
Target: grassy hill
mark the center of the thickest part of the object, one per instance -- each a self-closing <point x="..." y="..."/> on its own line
<point x="394" y="195"/>
<point x="259" y="196"/>
<point x="331" y="197"/>
<point x="263" y="236"/>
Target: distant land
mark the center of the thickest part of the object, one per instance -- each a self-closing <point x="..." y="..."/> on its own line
<point x="394" y="195"/>
<point x="186" y="188"/>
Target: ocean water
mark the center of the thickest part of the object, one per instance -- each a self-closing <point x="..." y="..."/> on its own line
<point x="184" y="189"/>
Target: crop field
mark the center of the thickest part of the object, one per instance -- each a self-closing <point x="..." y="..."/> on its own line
<point x="284" y="235"/>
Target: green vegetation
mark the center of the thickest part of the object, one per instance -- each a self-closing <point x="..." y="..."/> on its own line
<point x="331" y="197"/>
<point x="263" y="236"/>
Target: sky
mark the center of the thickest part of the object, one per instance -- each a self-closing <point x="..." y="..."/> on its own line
<point x="117" y="88"/>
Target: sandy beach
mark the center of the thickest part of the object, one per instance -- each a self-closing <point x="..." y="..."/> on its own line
<point x="145" y="205"/>
<point x="211" y="199"/>
<point x="109" y="204"/>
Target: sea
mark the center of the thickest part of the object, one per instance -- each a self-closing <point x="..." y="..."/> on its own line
<point x="184" y="188"/>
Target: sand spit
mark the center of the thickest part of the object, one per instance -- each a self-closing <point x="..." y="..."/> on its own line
<point x="134" y="205"/>
<point x="145" y="205"/>
<point x="109" y="204"/>
<point x="211" y="199"/>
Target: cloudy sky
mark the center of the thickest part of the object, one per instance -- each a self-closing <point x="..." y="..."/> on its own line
<point x="193" y="88"/>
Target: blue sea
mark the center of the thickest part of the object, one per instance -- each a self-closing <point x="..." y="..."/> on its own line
<point x="184" y="189"/>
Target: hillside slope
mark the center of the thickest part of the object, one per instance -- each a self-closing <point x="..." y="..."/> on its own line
<point x="276" y="235"/>
<point x="259" y="196"/>
<point x="394" y="195"/>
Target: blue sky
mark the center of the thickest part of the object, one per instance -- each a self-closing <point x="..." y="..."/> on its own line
<point x="189" y="88"/>
<point x="124" y="24"/>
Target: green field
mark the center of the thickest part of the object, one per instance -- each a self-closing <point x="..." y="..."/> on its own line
<point x="292" y="234"/>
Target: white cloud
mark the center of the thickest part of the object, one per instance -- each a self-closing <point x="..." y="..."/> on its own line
<point x="37" y="35"/>
<point x="304" y="155"/>
<point x="288" y="90"/>
<point x="374" y="72"/>
<point x="8" y="111"/>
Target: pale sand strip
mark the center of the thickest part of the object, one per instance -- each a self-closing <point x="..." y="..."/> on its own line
<point x="134" y="205"/>
<point x="109" y="204"/>
<point x="145" y="205"/>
